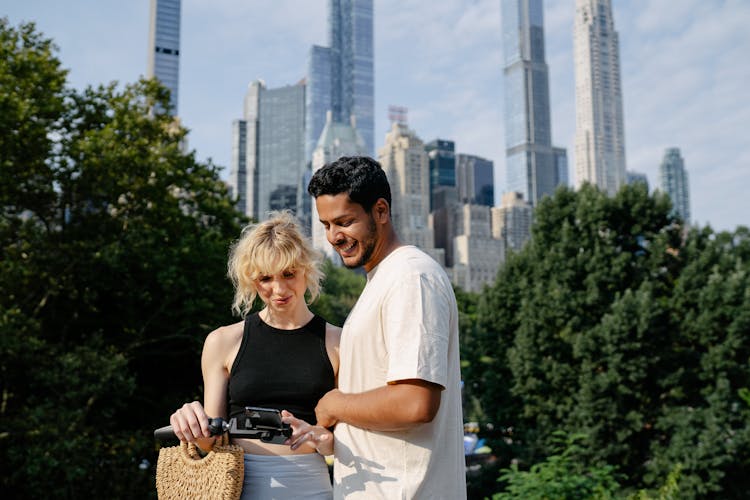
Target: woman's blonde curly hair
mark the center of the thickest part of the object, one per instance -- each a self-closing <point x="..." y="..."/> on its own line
<point x="271" y="247"/>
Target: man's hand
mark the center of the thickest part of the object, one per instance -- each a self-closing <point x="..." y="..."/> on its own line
<point x="327" y="408"/>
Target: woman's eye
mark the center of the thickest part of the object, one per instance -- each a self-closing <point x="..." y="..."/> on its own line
<point x="263" y="279"/>
<point x="289" y="274"/>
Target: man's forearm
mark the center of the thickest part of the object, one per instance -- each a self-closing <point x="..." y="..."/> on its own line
<point x="393" y="407"/>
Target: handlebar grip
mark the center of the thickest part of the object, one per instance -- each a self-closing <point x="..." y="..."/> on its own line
<point x="216" y="426"/>
<point x="164" y="433"/>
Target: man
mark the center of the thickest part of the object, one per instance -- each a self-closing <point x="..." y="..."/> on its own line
<point x="397" y="409"/>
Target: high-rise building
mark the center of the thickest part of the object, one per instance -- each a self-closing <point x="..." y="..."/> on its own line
<point x="404" y="162"/>
<point x="164" y="47"/>
<point x="530" y="162"/>
<point x="600" y="131"/>
<point x="511" y="221"/>
<point x="476" y="255"/>
<point x="341" y="76"/>
<point x="673" y="180"/>
<point x="441" y="157"/>
<point x="274" y="147"/>
<point x="475" y="180"/>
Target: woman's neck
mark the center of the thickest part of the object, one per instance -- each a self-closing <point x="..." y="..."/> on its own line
<point x="286" y="320"/>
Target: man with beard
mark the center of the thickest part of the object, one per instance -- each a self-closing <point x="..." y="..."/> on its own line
<point x="397" y="408"/>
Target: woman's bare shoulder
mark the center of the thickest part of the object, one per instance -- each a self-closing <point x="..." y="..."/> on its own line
<point x="224" y="337"/>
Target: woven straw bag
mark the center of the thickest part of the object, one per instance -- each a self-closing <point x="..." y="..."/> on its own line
<point x="181" y="473"/>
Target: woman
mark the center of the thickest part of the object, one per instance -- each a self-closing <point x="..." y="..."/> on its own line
<point x="282" y="357"/>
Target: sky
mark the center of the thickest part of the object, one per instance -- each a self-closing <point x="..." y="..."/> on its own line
<point x="685" y="74"/>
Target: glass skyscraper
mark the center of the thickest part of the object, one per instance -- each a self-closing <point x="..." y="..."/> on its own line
<point x="441" y="155"/>
<point x="340" y="77"/>
<point x="600" y="130"/>
<point x="268" y="150"/>
<point x="164" y="47"/>
<point x="673" y="180"/>
<point x="475" y="180"/>
<point x="531" y="164"/>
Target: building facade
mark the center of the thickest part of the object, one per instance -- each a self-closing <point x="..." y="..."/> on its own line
<point x="270" y="158"/>
<point x="476" y="254"/>
<point x="530" y="161"/>
<point x="164" y="47"/>
<point x="341" y="77"/>
<point x="475" y="180"/>
<point x="511" y="221"/>
<point x="405" y="163"/>
<point x="600" y="131"/>
<point x="673" y="180"/>
<point x="441" y="157"/>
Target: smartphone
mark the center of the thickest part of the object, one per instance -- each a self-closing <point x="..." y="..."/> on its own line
<point x="264" y="418"/>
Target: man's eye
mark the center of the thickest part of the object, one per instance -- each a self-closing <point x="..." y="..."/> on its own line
<point x="346" y="223"/>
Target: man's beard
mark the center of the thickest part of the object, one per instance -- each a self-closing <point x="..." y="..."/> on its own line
<point x="368" y="247"/>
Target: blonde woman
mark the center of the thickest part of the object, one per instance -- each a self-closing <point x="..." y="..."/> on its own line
<point x="282" y="357"/>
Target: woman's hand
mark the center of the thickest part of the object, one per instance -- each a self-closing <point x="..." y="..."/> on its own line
<point x="190" y="423"/>
<point x="303" y="434"/>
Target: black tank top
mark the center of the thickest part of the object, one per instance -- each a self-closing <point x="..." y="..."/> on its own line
<point x="282" y="369"/>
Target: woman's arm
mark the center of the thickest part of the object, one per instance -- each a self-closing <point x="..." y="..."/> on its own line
<point x="190" y="423"/>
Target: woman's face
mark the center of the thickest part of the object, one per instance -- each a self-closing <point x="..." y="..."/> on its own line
<point x="283" y="291"/>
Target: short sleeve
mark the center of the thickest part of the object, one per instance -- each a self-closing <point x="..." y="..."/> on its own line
<point x="416" y="314"/>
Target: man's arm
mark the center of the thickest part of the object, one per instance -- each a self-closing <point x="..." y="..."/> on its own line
<point x="396" y="406"/>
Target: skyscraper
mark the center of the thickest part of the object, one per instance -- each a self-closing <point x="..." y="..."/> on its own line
<point x="404" y="162"/>
<point x="673" y="180"/>
<point x="341" y="76"/>
<point x="164" y="47"/>
<point x="441" y="157"/>
<point x="273" y="140"/>
<point x="600" y="131"/>
<point x="530" y="161"/>
<point x="511" y="221"/>
<point x="475" y="180"/>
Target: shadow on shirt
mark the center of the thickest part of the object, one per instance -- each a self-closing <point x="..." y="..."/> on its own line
<point x="365" y="471"/>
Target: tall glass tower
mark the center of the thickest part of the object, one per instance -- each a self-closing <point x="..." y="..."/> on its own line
<point x="268" y="150"/>
<point x="673" y="180"/>
<point x="341" y="76"/>
<point x="532" y="168"/>
<point x="600" y="131"/>
<point x="164" y="47"/>
<point x="441" y="156"/>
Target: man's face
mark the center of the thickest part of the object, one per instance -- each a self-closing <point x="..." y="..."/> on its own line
<point x="349" y="228"/>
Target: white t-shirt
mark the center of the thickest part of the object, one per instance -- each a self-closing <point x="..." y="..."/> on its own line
<point x="404" y="326"/>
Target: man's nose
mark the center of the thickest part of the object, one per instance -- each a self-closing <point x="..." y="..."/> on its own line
<point x="334" y="235"/>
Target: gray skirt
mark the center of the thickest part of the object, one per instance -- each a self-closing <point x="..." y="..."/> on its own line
<point x="286" y="477"/>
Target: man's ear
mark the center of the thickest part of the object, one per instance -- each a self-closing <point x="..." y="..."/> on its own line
<point x="381" y="211"/>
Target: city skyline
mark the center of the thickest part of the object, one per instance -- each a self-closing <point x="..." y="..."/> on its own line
<point x="682" y="75"/>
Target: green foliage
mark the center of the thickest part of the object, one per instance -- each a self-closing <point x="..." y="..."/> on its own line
<point x="562" y="476"/>
<point x="618" y="323"/>
<point x="340" y="290"/>
<point x="114" y="243"/>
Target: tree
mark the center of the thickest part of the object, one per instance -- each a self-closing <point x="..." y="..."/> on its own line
<point x="617" y="323"/>
<point x="114" y="243"/>
<point x="340" y="291"/>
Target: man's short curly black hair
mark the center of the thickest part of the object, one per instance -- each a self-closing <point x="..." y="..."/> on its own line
<point x="361" y="177"/>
